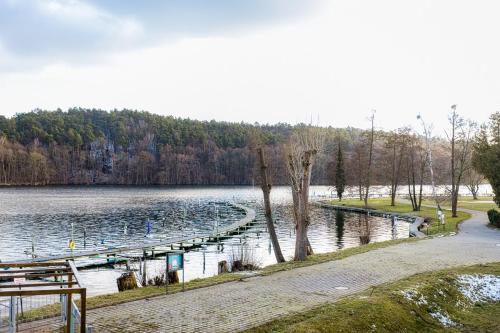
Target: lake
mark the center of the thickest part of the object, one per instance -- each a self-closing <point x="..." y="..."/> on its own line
<point x="46" y="218"/>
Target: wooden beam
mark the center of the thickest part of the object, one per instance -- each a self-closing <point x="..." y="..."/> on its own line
<point x="2" y="275"/>
<point x="56" y="291"/>
<point x="43" y="284"/>
<point x="75" y="273"/>
<point x="33" y="264"/>
<point x="83" y="311"/>
<point x="40" y="270"/>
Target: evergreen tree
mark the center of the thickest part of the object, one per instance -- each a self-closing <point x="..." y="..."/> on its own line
<point x="340" y="174"/>
<point x="486" y="156"/>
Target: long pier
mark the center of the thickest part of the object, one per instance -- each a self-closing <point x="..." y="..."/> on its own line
<point x="415" y="221"/>
<point x="159" y="247"/>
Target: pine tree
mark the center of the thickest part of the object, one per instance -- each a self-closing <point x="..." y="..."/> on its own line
<point x="340" y="174"/>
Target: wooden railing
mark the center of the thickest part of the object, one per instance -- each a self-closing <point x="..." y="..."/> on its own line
<point x="48" y="278"/>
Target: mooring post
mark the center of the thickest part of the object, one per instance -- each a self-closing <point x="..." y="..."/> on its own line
<point x="144" y="269"/>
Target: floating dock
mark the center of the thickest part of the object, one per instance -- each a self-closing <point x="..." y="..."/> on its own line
<point x="121" y="254"/>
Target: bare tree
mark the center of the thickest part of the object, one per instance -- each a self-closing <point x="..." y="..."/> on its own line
<point x="302" y="149"/>
<point x="370" y="158"/>
<point x="266" y="189"/>
<point x="460" y="138"/>
<point x="396" y="143"/>
<point x="357" y="160"/>
<point x="472" y="180"/>
<point x="416" y="161"/>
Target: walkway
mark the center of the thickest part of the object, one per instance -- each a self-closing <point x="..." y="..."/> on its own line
<point x="240" y="305"/>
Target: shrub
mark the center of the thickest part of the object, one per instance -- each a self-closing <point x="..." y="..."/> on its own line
<point x="494" y="217"/>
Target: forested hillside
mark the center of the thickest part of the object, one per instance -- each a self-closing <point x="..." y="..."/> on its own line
<point x="82" y="146"/>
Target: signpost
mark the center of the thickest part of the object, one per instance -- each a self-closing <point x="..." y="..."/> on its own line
<point x="174" y="263"/>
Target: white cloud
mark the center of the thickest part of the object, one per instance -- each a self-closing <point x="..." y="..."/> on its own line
<point x="351" y="56"/>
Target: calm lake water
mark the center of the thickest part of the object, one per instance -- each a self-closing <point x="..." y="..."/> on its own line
<point x="112" y="216"/>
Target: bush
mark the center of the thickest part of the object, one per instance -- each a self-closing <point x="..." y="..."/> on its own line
<point x="494" y="217"/>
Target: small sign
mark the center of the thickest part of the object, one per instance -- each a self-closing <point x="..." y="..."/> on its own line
<point x="175" y="262"/>
<point x="19" y="280"/>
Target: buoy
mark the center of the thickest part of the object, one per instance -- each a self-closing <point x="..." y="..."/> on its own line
<point x="71" y="244"/>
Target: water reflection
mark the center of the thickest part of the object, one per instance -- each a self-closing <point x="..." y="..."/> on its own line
<point x="339" y="224"/>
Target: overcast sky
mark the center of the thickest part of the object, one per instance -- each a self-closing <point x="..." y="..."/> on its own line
<point x="264" y="61"/>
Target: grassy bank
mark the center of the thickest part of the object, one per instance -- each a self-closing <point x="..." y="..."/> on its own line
<point x="482" y="203"/>
<point x="384" y="204"/>
<point x="421" y="303"/>
<point x="153" y="291"/>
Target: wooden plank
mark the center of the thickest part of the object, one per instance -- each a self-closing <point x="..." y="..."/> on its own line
<point x="83" y="311"/>
<point x="34" y="275"/>
<point x="43" y="284"/>
<point x="69" y="313"/>
<point x="55" y="291"/>
<point x="40" y="270"/>
<point x="28" y="263"/>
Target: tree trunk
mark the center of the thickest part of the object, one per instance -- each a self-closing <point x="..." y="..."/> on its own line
<point x="301" y="242"/>
<point x="266" y="189"/>
<point x="301" y="208"/>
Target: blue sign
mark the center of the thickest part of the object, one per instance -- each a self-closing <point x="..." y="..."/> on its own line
<point x="175" y="262"/>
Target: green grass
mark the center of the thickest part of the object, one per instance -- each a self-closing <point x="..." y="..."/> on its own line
<point x="385" y="309"/>
<point x="384" y="204"/>
<point x="482" y="204"/>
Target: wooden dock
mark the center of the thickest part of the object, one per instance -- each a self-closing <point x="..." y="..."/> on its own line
<point x="415" y="221"/>
<point x="120" y="254"/>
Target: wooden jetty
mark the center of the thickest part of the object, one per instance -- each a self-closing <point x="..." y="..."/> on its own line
<point x="121" y="254"/>
<point x="415" y="221"/>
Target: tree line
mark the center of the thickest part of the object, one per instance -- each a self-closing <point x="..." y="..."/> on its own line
<point x="127" y="147"/>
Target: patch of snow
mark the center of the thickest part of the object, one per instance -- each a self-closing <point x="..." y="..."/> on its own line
<point x="414" y="296"/>
<point x="341" y="288"/>
<point x="480" y="287"/>
<point x="442" y="318"/>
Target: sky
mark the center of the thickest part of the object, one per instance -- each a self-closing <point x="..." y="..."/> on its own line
<point x="268" y="61"/>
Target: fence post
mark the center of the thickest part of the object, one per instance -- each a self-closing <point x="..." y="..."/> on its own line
<point x="69" y="312"/>
<point x="83" y="311"/>
<point x="63" y="307"/>
<point x="13" y="314"/>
